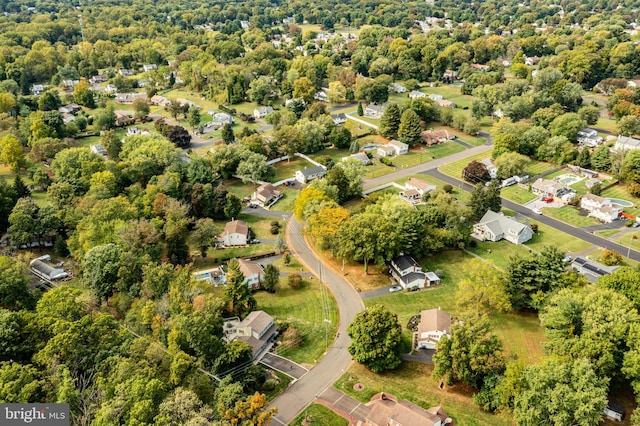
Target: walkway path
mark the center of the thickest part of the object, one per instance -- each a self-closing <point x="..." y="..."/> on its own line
<point x="359" y="120"/>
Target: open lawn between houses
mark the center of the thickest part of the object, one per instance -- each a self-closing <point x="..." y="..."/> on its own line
<point x="319" y="415"/>
<point x="571" y="216"/>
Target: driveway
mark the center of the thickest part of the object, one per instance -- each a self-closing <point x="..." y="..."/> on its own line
<point x="376" y="293"/>
<point x="424" y="355"/>
<point x="283" y="365"/>
<point x="344" y="404"/>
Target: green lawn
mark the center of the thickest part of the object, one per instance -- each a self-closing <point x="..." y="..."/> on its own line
<point x="319" y="415"/>
<point x="607" y="124"/>
<point x="459" y="194"/>
<point x="548" y="236"/>
<point x="607" y="233"/>
<point x="452" y="94"/>
<point x="303" y="309"/>
<point x="498" y="252"/>
<point x="517" y="194"/>
<point x="414" y="382"/>
<point x="285" y="204"/>
<point x="261" y="225"/>
<point x="286" y="169"/>
<point x="282" y="382"/>
<point x="620" y="191"/>
<point x="570" y="215"/>
<point x="471" y="140"/>
<point x="454" y="169"/>
<point x="632" y="238"/>
<point x="336" y="154"/>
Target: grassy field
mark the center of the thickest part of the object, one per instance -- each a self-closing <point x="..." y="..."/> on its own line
<point x="620" y="191"/>
<point x="570" y="215"/>
<point x="454" y="169"/>
<point x="498" y="252"/>
<point x="452" y="94"/>
<point x="607" y="233"/>
<point x="336" y="154"/>
<point x="282" y="382"/>
<point x="517" y="194"/>
<point x="548" y="236"/>
<point x="471" y="140"/>
<point x="319" y="415"/>
<point x="305" y="309"/>
<point x="286" y="169"/>
<point x="413" y="381"/>
<point x="261" y="225"/>
<point x="632" y="238"/>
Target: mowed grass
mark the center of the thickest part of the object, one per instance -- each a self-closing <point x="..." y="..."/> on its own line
<point x="499" y="252"/>
<point x="471" y="140"/>
<point x="632" y="238"/>
<point x="261" y="225"/>
<point x="459" y="194"/>
<point x="517" y="194"/>
<point x="454" y="169"/>
<point x="570" y="215"/>
<point x="319" y="415"/>
<point x="413" y="381"/>
<point x="620" y="191"/>
<point x="305" y="309"/>
<point x="607" y="233"/>
<point x="452" y="94"/>
<point x="548" y="236"/>
<point x="286" y="169"/>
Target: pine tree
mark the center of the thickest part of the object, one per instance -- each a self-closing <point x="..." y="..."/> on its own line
<point x="360" y="110"/>
<point x="227" y="134"/>
<point x="492" y="200"/>
<point x="238" y="295"/>
<point x="476" y="205"/>
<point x="20" y="189"/>
<point x="410" y="131"/>
<point x="390" y="121"/>
<point x="584" y="158"/>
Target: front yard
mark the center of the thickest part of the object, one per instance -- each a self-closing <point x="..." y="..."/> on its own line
<point x="571" y="216"/>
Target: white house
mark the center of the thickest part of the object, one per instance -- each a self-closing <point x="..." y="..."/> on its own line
<point x="258" y="329"/>
<point x="98" y="149"/>
<point x="339" y="119"/>
<point x="551" y="188"/>
<point x="600" y="208"/>
<point x="374" y="111"/>
<point x="159" y="100"/>
<point x="496" y="226"/>
<point x="321" y="96"/>
<point x="236" y="233"/>
<point x="419" y="185"/>
<point x="386" y="151"/>
<point x="305" y="175"/>
<point x="266" y="195"/>
<point x="149" y="67"/>
<point x="626" y="142"/>
<point x="360" y="156"/>
<point x="435" y="97"/>
<point x="416" y="94"/>
<point x="589" y="137"/>
<point x="397" y="88"/>
<point x="399" y="147"/>
<point x="262" y="112"/>
<point x="531" y="60"/>
<point x="491" y="168"/>
<point x="434" y="324"/>
<point x="245" y="24"/>
<point x="253" y="273"/>
<point x="37" y="89"/>
<point x="411" y="195"/>
<point x="219" y="119"/>
<point x="409" y="273"/>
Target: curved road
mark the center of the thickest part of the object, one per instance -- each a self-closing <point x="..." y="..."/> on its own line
<point x="337" y="359"/>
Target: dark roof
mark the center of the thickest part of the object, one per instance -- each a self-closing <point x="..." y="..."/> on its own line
<point x="341" y="116"/>
<point x="615" y="407"/>
<point x="404" y="261"/>
<point x="591" y="267"/>
<point x="411" y="276"/>
<point x="312" y="171"/>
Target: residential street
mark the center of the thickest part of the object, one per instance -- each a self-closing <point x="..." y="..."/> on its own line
<point x="337" y="359"/>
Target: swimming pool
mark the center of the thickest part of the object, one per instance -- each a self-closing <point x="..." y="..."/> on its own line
<point x="369" y="147"/>
<point x="621" y="203"/>
<point x="569" y="179"/>
<point x="203" y="276"/>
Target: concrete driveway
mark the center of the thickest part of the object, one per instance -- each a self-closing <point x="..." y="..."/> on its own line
<point x="283" y="365"/>
<point x="539" y="204"/>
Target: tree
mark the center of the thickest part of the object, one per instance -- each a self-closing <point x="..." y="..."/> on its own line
<point x="483" y="288"/>
<point x="11" y="152"/>
<point x="567" y="125"/>
<point x="511" y="164"/>
<point x="83" y="94"/>
<point x="227" y="134"/>
<point x="324" y="224"/>
<point x="140" y="108"/>
<point x="390" y="121"/>
<point x="472" y="126"/>
<point x="471" y="354"/>
<point x="584" y="158"/>
<point x="271" y="278"/>
<point x="254" y="167"/>
<point x="376" y="337"/>
<point x="503" y="143"/>
<point x="261" y="89"/>
<point x="251" y="411"/>
<point x="112" y="144"/>
<point x="182" y="407"/>
<point x="629" y="125"/>
<point x="625" y="281"/>
<point x="14" y="290"/>
<point x="337" y="92"/>
<point x="410" y="131"/>
<point x="476" y="172"/>
<point x="21" y="383"/>
<point x="238" y="295"/>
<point x="20" y="189"/>
<point x="205" y="235"/>
<point x="76" y="166"/>
<point x="105" y="119"/>
<point x="7" y="103"/>
<point x="303" y="88"/>
<point x="360" y="111"/>
<point x="340" y="137"/>
<point x="100" y="268"/>
<point x="346" y="176"/>
<point x="194" y="117"/>
<point x="583" y="394"/>
<point x="23" y="222"/>
<point x="590" y="114"/>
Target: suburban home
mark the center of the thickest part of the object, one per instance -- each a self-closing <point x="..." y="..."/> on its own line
<point x="443" y="103"/>
<point x="216" y="276"/>
<point x="411" y="195"/>
<point x="160" y="101"/>
<point x="253" y="273"/>
<point x="123" y="119"/>
<point x="149" y="67"/>
<point x="258" y="329"/>
<point x="68" y="118"/>
<point x="434" y="137"/>
<point x="591" y="269"/>
<point x="42" y="268"/>
<point x="37" y="89"/>
<point x="70" y="109"/>
<point x="481" y="68"/>
<point x="614" y="411"/>
<point x="415" y="94"/>
<point x="374" y="111"/>
<point x="435" y="97"/>
<point x="552" y="188"/>
<point x="589" y="183"/>
<point x="100" y="78"/>
<point x="186" y="102"/>
<point x="582" y="171"/>
<point x="321" y="96"/>
<point x="126" y="73"/>
<point x="400" y="147"/>
<point x="409" y="273"/>
<point x="626" y="142"/>
<point x="305" y="175"/>
<point x="419" y="185"/>
<point x="219" y="119"/>
<point x="262" y="112"/>
<point x="589" y="137"/>
<point x="360" y="156"/>
<point x="339" y="119"/>
<point x="98" y="149"/>
<point x="600" y="208"/>
<point x="386" y="151"/>
<point x="531" y="60"/>
<point x="236" y="233"/>
<point x="397" y="88"/>
<point x="266" y="195"/>
<point x="110" y="89"/>
<point x="385" y="410"/>
<point x="496" y="226"/>
<point x="491" y="168"/>
<point x="69" y="84"/>
<point x="450" y="75"/>
<point x="434" y="324"/>
<point x="128" y="98"/>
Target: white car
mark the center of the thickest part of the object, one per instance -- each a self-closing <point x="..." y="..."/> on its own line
<point x="536" y="211"/>
<point x="395" y="288"/>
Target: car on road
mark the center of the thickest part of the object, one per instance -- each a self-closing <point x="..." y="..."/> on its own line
<point x="567" y="259"/>
<point x="536" y="211"/>
<point x="395" y="288"/>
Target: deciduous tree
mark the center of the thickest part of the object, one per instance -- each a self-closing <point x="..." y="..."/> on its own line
<point x="483" y="289"/>
<point x="376" y="336"/>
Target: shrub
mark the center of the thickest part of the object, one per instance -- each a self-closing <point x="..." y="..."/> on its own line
<point x="634" y="189"/>
<point x="534" y="227"/>
<point x="295" y="280"/>
<point x="611" y="257"/>
<point x="269" y="385"/>
<point x="275" y="230"/>
<point x="275" y="223"/>
<point x="447" y="188"/>
<point x="473" y="244"/>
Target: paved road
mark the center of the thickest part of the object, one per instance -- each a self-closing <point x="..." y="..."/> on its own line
<point x="283" y="365"/>
<point x="337" y="358"/>
<point x="462" y="143"/>
<point x="560" y="226"/>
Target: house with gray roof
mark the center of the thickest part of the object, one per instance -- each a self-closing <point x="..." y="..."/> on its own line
<point x="624" y="143"/>
<point x="496" y="226"/>
<point x="258" y="329"/>
<point x="409" y="273"/>
<point x="305" y="175"/>
<point x="360" y="156"/>
<point x="42" y="268"/>
<point x="591" y="269"/>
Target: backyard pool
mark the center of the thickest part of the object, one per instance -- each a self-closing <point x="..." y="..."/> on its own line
<point x="621" y="203"/>
<point x="369" y="147"/>
<point x="569" y="179"/>
<point x="202" y="276"/>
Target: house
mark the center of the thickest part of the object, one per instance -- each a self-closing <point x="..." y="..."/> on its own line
<point x="614" y="411"/>
<point x="400" y="147"/>
<point x="126" y="72"/>
<point x="600" y="208"/>
<point x="37" y="89"/>
<point x="498" y="113"/>
<point x="496" y="226"/>
<point x="385" y="410"/>
<point x="219" y="119"/>
<point x="506" y="63"/>
<point x="123" y="119"/>
<point x="590" y="269"/>
<point x="481" y="68"/>
<point x="135" y="131"/>
<point x="409" y="273"/>
<point x="360" y="156"/>
<point x="70" y="109"/>
<point x="245" y="24"/>
<point x="216" y="276"/>
<point x="434" y="324"/>
<point x="100" y="78"/>
<point x="626" y="142"/>
<point x="633" y="83"/>
<point x="158" y="100"/>
<point x="262" y="112"/>
<point x="98" y="149"/>
<point x="258" y="329"/>
<point x="128" y="98"/>
<point x="68" y="118"/>
<point x="149" y="67"/>
<point x="589" y="183"/>
<point x="321" y="96"/>
<point x="374" y="111"/>
<point x="415" y="94"/>
<point x="339" y="119"/>
<point x="434" y="137"/>
<point x="531" y="60"/>
<point x="69" y="84"/>
<point x="236" y="233"/>
<point x="386" y="151"/>
<point x="491" y="168"/>
<point x="435" y="97"/>
<point x="186" y="102"/>
<point x="266" y="195"/>
<point x="253" y="273"/>
<point x="290" y="101"/>
<point x="419" y="185"/>
<point x="589" y="137"/>
<point x="443" y="103"/>
<point x="450" y="75"/>
<point x="411" y="195"/>
<point x="305" y="175"/>
<point x="43" y="268"/>
<point x="551" y="188"/>
<point x="110" y="89"/>
<point x="397" y="88"/>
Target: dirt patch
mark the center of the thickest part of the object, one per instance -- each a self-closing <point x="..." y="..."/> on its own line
<point x="358" y="387"/>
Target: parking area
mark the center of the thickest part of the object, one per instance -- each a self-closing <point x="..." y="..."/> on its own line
<point x="538" y="203"/>
<point x="283" y="365"/>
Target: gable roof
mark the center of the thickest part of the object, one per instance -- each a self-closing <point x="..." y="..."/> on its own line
<point x="403" y="261"/>
<point x="257" y="320"/>
<point x="236" y="227"/>
<point x="385" y="408"/>
<point x="594" y="198"/>
<point x="398" y="144"/>
<point x="501" y="224"/>
<point x="434" y="319"/>
<point x="417" y="183"/>
<point x="249" y="268"/>
<point x="312" y="171"/>
<point x="267" y="190"/>
<point x="628" y="142"/>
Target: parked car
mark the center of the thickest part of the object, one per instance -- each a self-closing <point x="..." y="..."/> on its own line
<point x="548" y="200"/>
<point x="395" y="288"/>
<point x="537" y="211"/>
<point x="254" y="241"/>
<point x="567" y="259"/>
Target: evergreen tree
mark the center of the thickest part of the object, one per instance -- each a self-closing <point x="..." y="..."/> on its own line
<point x="194" y="117"/>
<point x="601" y="159"/>
<point x="20" y="189"/>
<point x="584" y="158"/>
<point x="492" y="200"/>
<point x="390" y="121"/>
<point x="271" y="278"/>
<point x="410" y="131"/>
<point x="476" y="205"/>
<point x="354" y="147"/>
<point x="227" y="134"/>
<point x="360" y="110"/>
<point x="238" y="295"/>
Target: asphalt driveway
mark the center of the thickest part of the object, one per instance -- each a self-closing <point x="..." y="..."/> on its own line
<point x="283" y="365"/>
